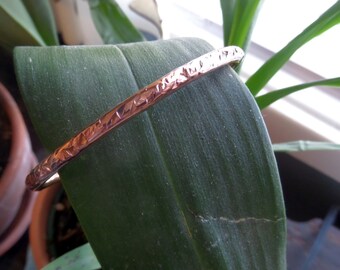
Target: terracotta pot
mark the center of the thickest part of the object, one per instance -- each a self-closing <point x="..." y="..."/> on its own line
<point x="39" y="225"/>
<point x="16" y="202"/>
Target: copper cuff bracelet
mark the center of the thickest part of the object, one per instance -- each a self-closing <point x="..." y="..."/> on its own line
<point x="46" y="172"/>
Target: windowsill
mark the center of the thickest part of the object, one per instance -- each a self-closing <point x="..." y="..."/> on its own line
<point x="297" y="118"/>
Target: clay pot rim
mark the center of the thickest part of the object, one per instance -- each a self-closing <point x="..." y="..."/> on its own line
<point x="21" y="221"/>
<point x="38" y="228"/>
<point x="20" y="144"/>
<point x="21" y="159"/>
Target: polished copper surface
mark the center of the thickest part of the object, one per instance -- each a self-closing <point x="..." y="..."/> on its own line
<point x="45" y="173"/>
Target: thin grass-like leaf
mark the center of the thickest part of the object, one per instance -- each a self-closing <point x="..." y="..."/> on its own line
<point x="239" y="18"/>
<point x="112" y="24"/>
<point x="228" y="7"/>
<point x="261" y="77"/>
<point x="79" y="258"/>
<point x="299" y="146"/>
<point x="267" y="99"/>
<point x="43" y="18"/>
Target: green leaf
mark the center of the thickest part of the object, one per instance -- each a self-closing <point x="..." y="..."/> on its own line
<point x="267" y="99"/>
<point x="112" y="24"/>
<point x="43" y="18"/>
<point x="239" y="17"/>
<point x="17" y="27"/>
<point x="261" y="77"/>
<point x="191" y="183"/>
<point x="299" y="146"/>
<point x="77" y="259"/>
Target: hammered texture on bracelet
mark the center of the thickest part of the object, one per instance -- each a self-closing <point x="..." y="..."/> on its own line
<point x="46" y="172"/>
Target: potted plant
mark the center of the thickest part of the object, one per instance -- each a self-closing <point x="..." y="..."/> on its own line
<point x="17" y="159"/>
<point x="16" y="201"/>
<point x="156" y="148"/>
<point x="28" y="27"/>
<point x="158" y="195"/>
<point x="53" y="215"/>
<point x="270" y="216"/>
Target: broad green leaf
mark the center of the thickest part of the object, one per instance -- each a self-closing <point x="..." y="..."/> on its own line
<point x="43" y="18"/>
<point x="191" y="183"/>
<point x="81" y="258"/>
<point x="327" y="20"/>
<point x="266" y="99"/>
<point x="17" y="27"/>
<point x="112" y="24"/>
<point x="298" y="146"/>
<point x="239" y="17"/>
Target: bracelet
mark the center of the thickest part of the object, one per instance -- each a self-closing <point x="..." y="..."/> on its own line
<point x="46" y="172"/>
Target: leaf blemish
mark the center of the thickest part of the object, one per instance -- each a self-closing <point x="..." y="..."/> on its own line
<point x="236" y="221"/>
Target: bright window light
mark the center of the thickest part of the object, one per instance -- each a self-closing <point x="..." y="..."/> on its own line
<point x="314" y="112"/>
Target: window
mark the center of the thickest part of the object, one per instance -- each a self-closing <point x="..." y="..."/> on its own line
<point x="311" y="114"/>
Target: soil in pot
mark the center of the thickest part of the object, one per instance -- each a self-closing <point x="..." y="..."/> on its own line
<point x="64" y="230"/>
<point x="55" y="229"/>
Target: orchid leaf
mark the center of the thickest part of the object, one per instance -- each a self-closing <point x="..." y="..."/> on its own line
<point x="43" y="18"/>
<point x="79" y="258"/>
<point x="191" y="183"/>
<point x="17" y="27"/>
<point x="112" y="24"/>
